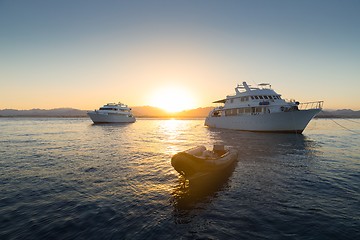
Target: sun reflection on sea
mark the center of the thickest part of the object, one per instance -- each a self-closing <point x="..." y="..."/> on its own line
<point x="174" y="136"/>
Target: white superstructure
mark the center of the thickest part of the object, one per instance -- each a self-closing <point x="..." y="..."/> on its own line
<point x="112" y="113"/>
<point x="261" y="109"/>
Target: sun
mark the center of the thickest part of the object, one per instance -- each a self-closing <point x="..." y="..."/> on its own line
<point x="172" y="99"/>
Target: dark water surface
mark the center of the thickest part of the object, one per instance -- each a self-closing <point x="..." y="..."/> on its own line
<point x="69" y="179"/>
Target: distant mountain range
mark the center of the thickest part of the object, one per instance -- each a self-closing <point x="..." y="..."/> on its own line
<point x="151" y="112"/>
<point x="142" y="111"/>
<point x="342" y="113"/>
<point x="57" y="112"/>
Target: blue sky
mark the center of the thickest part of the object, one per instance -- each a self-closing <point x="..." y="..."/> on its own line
<point x="83" y="54"/>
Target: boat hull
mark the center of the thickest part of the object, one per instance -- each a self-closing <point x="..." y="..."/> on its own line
<point x="110" y="118"/>
<point x="290" y="122"/>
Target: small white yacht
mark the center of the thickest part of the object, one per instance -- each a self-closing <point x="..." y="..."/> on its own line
<point x="112" y="113"/>
<point x="261" y="109"/>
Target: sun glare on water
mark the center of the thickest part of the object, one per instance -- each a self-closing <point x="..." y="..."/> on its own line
<point x="172" y="99"/>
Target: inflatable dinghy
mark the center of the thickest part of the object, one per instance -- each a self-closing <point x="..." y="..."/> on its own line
<point x="198" y="160"/>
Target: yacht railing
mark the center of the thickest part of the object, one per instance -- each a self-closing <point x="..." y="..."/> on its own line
<point x="311" y="105"/>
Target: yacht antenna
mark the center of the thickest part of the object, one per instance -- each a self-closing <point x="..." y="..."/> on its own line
<point x="246" y="86"/>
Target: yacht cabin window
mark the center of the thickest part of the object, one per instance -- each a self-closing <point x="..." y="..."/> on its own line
<point x="244" y="99"/>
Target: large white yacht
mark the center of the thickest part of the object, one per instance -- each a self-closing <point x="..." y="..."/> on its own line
<point x="112" y="113"/>
<point x="261" y="109"/>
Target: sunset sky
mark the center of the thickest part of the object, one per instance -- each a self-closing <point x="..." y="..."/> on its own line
<point x="83" y="54"/>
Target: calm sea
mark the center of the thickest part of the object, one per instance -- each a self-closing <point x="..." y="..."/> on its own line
<point x="70" y="179"/>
